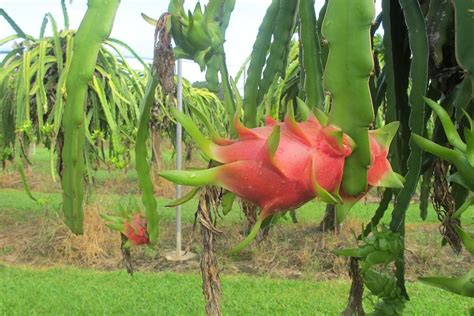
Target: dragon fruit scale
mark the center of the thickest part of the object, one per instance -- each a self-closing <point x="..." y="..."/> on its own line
<point x="284" y="164"/>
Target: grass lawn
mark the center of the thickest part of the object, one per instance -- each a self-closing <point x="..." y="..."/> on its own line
<point x="16" y="203"/>
<point x="86" y="292"/>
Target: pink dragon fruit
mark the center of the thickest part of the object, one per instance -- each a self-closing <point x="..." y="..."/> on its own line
<point x="133" y="226"/>
<point x="285" y="164"/>
<point x="135" y="230"/>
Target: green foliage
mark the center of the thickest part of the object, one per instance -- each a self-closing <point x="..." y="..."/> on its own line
<point x="380" y="247"/>
<point x="462" y="285"/>
<point x="461" y="158"/>
<point x="461" y="155"/>
<point x="33" y="77"/>
<point x="112" y="97"/>
<point x="385" y="288"/>
<point x="200" y="36"/>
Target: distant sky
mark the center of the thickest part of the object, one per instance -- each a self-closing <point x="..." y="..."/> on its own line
<point x="130" y="28"/>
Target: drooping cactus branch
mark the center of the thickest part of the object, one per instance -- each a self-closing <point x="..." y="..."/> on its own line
<point x="419" y="78"/>
<point x="93" y="31"/>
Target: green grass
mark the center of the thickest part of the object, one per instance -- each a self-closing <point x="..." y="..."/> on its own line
<point x="40" y="159"/>
<point x="86" y="292"/>
<point x="17" y="204"/>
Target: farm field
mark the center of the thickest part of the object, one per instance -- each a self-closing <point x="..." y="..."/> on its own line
<point x="36" y="249"/>
<point x="237" y="157"/>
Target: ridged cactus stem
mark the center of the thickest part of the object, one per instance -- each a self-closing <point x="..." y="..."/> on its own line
<point x="464" y="24"/>
<point x="257" y="63"/>
<point x="229" y="102"/>
<point x="313" y="83"/>
<point x="94" y="29"/>
<point x="346" y="28"/>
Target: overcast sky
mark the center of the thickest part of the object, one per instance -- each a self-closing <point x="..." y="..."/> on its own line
<point x="130" y="28"/>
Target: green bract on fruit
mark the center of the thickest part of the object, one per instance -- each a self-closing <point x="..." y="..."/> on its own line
<point x="285" y="164"/>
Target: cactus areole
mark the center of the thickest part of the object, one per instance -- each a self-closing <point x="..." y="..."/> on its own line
<point x="285" y="164"/>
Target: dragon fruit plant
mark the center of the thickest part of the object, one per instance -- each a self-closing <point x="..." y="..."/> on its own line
<point x="200" y="36"/>
<point x="333" y="157"/>
<point x="461" y="156"/>
<point x="285" y="164"/>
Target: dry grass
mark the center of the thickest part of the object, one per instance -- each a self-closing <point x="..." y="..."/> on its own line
<point x="36" y="181"/>
<point x="290" y="250"/>
<point x="47" y="241"/>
